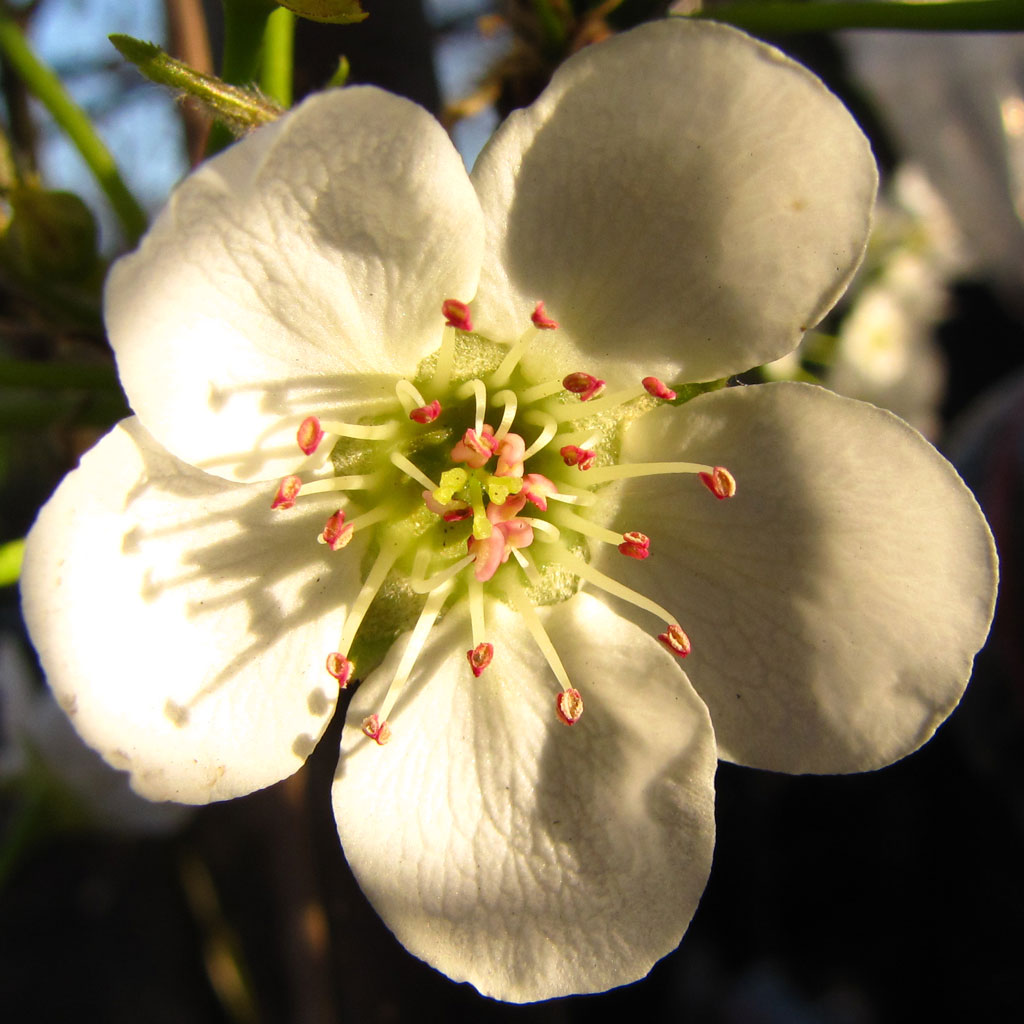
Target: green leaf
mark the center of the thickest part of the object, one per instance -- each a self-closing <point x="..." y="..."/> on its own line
<point x="335" y="12"/>
<point x="241" y="109"/>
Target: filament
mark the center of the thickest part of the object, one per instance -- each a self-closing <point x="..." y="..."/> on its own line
<point x="548" y="430"/>
<point x="475" y="387"/>
<point x="410" y="470"/>
<point x="445" y="357"/>
<point x="574" y="411"/>
<point x="511" y="403"/>
<point x="361" y="431"/>
<point x="589" y="529"/>
<point x="426" y="584"/>
<point x="628" y="470"/>
<point x="374" y="580"/>
<point x="407" y="394"/>
<point x="501" y="375"/>
<point x="417" y="641"/>
<point x="476" y="609"/>
<point x="528" y="614"/>
<point x="599" y="579"/>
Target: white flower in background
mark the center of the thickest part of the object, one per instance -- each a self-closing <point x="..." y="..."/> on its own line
<point x="955" y="105"/>
<point x="885" y="351"/>
<point x="684" y="201"/>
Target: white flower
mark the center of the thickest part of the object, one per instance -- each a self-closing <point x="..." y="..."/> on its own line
<point x="686" y="202"/>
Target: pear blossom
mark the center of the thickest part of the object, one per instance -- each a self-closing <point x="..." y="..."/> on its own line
<point x="404" y="425"/>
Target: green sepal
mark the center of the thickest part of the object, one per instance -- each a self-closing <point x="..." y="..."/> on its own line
<point x="687" y="392"/>
<point x="11" y="555"/>
<point x="240" y="108"/>
<point x="334" y="12"/>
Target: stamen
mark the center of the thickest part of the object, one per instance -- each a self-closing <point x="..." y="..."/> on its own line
<point x="635" y="545"/>
<point x="425" y="585"/>
<point x="287" y="492"/>
<point x="374" y="581"/>
<point x="456" y="314"/>
<point x="336" y="534"/>
<point x="511" y="402"/>
<point x="569" y="705"/>
<point x="573" y="455"/>
<point x="548" y="429"/>
<point x="408" y="395"/>
<point x="720" y="482"/>
<point x="309" y="435"/>
<point x="376" y="730"/>
<point x="584" y="385"/>
<point x="658" y="389"/>
<point x="340" y="667"/>
<point x="362" y="431"/>
<point x="410" y="470"/>
<point x="676" y="641"/>
<point x="531" y="620"/>
<point x="631" y="470"/>
<point x="431" y="609"/>
<point x="614" y="587"/>
<point x="541" y="320"/>
<point x="480" y="657"/>
<point x="424" y="414"/>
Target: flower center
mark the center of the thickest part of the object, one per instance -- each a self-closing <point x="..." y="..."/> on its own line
<point x="462" y="509"/>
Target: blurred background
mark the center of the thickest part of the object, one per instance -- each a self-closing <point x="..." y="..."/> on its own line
<point x="885" y="897"/>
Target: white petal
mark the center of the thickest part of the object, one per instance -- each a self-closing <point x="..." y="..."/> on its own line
<point x="181" y="623"/>
<point x="293" y="275"/>
<point x="532" y="859"/>
<point x="836" y="602"/>
<point x="682" y="193"/>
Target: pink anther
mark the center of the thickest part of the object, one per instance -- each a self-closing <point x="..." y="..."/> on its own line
<point x="720" y="482"/>
<point x="456" y="314"/>
<point x="635" y="545"/>
<point x="475" y="449"/>
<point x="480" y="657"/>
<point x="658" y="389"/>
<point x="676" y="641"/>
<point x="426" y="413"/>
<point x="569" y="705"/>
<point x="537" y="489"/>
<point x="337" y="533"/>
<point x="309" y="435"/>
<point x="511" y="449"/>
<point x="582" y="458"/>
<point x="541" y="320"/>
<point x="376" y="730"/>
<point x="287" y="492"/>
<point x="340" y="667"/>
<point x="584" y="385"/>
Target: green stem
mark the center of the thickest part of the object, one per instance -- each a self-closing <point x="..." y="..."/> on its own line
<point x="245" y="23"/>
<point x="958" y="16"/>
<point x="278" y="56"/>
<point x="75" y="123"/>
